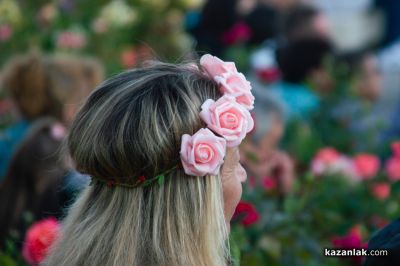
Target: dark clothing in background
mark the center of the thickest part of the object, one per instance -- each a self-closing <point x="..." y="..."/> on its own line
<point x="389" y="239"/>
<point x="392" y="20"/>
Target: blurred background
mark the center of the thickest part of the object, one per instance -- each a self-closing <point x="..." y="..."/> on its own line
<point x="323" y="161"/>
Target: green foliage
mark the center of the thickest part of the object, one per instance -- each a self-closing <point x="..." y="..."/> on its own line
<point x="111" y="30"/>
<point x="293" y="230"/>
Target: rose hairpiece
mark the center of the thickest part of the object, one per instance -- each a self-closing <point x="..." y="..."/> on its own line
<point x="228" y="121"/>
<point x="229" y="117"/>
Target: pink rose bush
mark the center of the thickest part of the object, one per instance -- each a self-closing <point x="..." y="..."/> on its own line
<point x="366" y="165"/>
<point x="353" y="239"/>
<point x="227" y="118"/>
<point x="72" y="39"/>
<point x="203" y="153"/>
<point x="39" y="239"/>
<point x="363" y="166"/>
<point x="324" y="160"/>
<point x="381" y="191"/>
<point x="330" y="161"/>
<point x="393" y="164"/>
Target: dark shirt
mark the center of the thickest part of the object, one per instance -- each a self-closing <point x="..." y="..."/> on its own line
<point x="389" y="239"/>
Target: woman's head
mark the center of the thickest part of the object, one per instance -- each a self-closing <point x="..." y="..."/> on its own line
<point x="131" y="128"/>
<point x="369" y="79"/>
<point x="269" y="117"/>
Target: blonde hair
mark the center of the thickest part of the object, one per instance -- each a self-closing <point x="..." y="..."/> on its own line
<point x="130" y="126"/>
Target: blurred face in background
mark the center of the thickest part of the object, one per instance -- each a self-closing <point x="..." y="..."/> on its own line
<point x="320" y="25"/>
<point x="244" y="7"/>
<point x="321" y="80"/>
<point x="273" y="136"/>
<point x="369" y="82"/>
<point x="315" y="26"/>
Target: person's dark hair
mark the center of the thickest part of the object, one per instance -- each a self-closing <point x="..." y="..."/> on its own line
<point x="297" y="59"/>
<point x="263" y="21"/>
<point x="353" y="62"/>
<point x="297" y="20"/>
<point x="217" y="16"/>
<point x="33" y="180"/>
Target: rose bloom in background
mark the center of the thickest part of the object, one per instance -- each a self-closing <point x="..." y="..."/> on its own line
<point x="39" y="238"/>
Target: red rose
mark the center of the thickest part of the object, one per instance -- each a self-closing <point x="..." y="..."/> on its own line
<point x="248" y="213"/>
<point x="39" y="238"/>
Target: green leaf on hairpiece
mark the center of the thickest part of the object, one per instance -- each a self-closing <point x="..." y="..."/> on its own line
<point x="160" y="179"/>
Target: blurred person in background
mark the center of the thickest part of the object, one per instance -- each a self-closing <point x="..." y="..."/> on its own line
<point x="392" y="133"/>
<point x="302" y="21"/>
<point x="41" y="86"/>
<point x="360" y="112"/>
<point x="32" y="187"/>
<point x="369" y="83"/>
<point x="47" y="92"/>
<point x="260" y="154"/>
<point x="216" y="17"/>
<point x="281" y="5"/>
<point x="298" y="21"/>
<point x="264" y="24"/>
<point x="224" y="23"/>
<point x="304" y="66"/>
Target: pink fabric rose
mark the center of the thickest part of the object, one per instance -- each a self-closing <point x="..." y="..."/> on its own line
<point x="203" y="153"/>
<point x="215" y="66"/>
<point x="39" y="238"/>
<point x="366" y="165"/>
<point x="227" y="118"/>
<point x="236" y="85"/>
